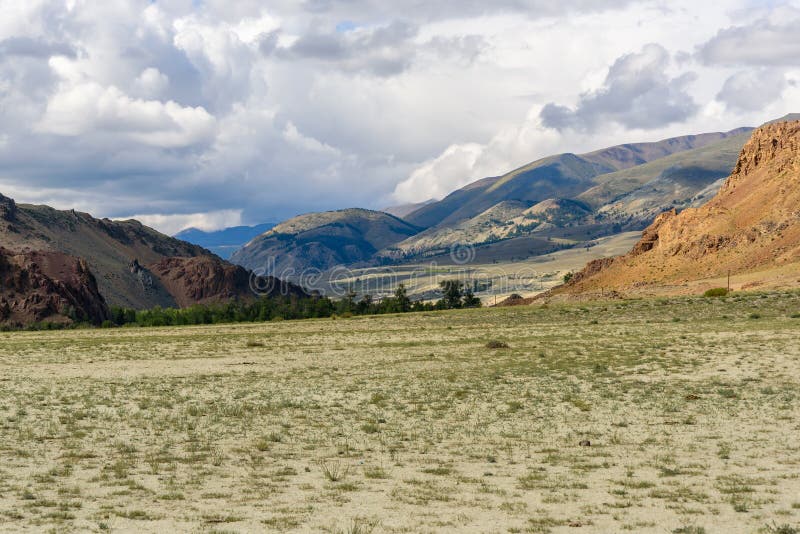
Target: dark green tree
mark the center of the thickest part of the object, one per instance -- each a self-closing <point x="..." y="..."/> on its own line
<point x="401" y="296"/>
<point x="452" y="293"/>
<point x="470" y="300"/>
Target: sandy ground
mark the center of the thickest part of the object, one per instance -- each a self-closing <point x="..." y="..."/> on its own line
<point x="412" y="424"/>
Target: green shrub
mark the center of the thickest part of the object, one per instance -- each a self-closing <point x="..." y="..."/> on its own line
<point x="716" y="292"/>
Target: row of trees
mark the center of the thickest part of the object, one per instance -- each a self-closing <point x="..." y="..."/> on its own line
<point x="455" y="294"/>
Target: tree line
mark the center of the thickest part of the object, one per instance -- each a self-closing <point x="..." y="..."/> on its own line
<point x="455" y="294"/>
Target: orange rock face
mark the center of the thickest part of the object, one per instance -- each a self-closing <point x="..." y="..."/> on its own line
<point x="751" y="226"/>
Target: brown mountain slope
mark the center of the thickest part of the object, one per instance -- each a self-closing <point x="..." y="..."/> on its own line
<point x="135" y="266"/>
<point x="47" y="286"/>
<point x="750" y="228"/>
<point x="209" y="280"/>
<point x="109" y="248"/>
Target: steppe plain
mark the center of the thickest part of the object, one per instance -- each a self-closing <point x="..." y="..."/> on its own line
<point x="656" y="415"/>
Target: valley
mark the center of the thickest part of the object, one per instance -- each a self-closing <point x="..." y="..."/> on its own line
<point x="361" y="267"/>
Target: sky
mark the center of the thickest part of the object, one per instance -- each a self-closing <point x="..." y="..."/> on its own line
<point x="215" y="113"/>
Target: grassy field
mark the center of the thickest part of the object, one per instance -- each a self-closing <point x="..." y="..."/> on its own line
<point x="677" y="415"/>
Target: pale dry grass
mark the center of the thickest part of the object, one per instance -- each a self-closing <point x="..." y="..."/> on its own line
<point x="411" y="424"/>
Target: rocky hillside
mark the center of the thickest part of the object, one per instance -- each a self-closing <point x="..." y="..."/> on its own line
<point x="110" y="249"/>
<point x="323" y="240"/>
<point x="47" y="287"/>
<point x="751" y="227"/>
<point x="134" y="266"/>
<point x="209" y="280"/>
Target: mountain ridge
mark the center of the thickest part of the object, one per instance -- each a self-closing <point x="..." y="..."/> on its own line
<point x="538" y="175"/>
<point x="226" y="241"/>
<point x="323" y="240"/>
<point x="751" y="226"/>
<point x="599" y="193"/>
<point x="132" y="265"/>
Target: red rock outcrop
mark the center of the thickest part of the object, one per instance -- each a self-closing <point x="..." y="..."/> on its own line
<point x="208" y="279"/>
<point x="48" y="287"/>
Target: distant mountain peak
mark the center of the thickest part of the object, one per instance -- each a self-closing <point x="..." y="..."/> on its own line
<point x="323" y="240"/>
<point x="224" y="242"/>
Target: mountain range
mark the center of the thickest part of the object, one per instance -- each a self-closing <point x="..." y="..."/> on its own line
<point x="728" y="203"/>
<point x="59" y="266"/>
<point x="749" y="230"/>
<point x="555" y="202"/>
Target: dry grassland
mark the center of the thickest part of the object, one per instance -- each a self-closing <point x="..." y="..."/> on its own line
<point x="690" y="407"/>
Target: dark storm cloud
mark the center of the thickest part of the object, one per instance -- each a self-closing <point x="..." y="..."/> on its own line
<point x="759" y="44"/>
<point x="637" y="93"/>
<point x="382" y="51"/>
<point x="35" y="48"/>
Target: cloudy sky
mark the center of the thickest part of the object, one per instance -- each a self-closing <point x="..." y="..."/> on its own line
<point x="212" y="113"/>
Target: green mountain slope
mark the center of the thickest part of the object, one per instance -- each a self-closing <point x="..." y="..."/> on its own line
<point x="693" y="170"/>
<point x="321" y="241"/>
<point x="561" y="176"/>
<point x="578" y="198"/>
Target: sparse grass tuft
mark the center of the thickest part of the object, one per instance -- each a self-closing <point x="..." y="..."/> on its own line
<point x="334" y="470"/>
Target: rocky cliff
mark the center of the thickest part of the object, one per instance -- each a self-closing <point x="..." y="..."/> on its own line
<point x="752" y="227"/>
<point x="48" y="287"/>
<point x="207" y="279"/>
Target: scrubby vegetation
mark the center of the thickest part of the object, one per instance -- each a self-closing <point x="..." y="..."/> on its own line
<point x="716" y="292"/>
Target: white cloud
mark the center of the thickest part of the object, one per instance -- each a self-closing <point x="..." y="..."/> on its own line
<point x="87" y="108"/>
<point x="177" y="107"/>
<point x="636" y="93"/>
<point x="151" y="82"/>
<point x="763" y="42"/>
<point x="749" y="90"/>
<point x="294" y="137"/>
<point x="172" y="224"/>
<point x="436" y="178"/>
